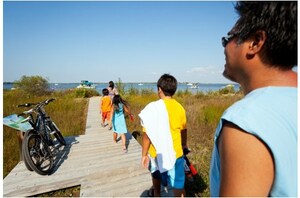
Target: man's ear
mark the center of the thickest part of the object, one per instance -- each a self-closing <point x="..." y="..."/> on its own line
<point x="256" y="43"/>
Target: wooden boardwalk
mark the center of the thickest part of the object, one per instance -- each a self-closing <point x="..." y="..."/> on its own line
<point x="93" y="161"/>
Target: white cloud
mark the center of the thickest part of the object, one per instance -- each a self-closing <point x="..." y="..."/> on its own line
<point x="211" y="70"/>
<point x="204" y="74"/>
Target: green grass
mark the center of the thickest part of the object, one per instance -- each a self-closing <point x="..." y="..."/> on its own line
<point x="67" y="192"/>
<point x="69" y="113"/>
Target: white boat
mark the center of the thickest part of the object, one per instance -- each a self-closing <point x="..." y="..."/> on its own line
<point x="85" y="84"/>
<point x="193" y="85"/>
<point x="140" y="84"/>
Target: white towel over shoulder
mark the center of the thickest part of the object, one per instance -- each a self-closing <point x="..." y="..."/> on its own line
<point x="155" y="119"/>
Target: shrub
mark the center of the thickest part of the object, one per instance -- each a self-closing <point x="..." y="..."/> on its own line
<point x="229" y="89"/>
<point x="85" y="93"/>
<point x="33" y="85"/>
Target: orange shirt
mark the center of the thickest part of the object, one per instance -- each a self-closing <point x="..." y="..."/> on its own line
<point x="106" y="104"/>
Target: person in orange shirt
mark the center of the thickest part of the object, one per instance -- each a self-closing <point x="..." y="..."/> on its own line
<point x="105" y="107"/>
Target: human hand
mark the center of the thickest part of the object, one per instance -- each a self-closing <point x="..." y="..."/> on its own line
<point x="145" y="161"/>
<point x="131" y="117"/>
<point x="186" y="150"/>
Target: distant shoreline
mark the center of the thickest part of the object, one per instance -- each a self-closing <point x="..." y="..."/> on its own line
<point x="233" y="83"/>
<point x="191" y="87"/>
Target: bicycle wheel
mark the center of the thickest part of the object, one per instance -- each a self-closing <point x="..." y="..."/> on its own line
<point x="26" y="163"/>
<point x="56" y="132"/>
<point x="24" y="137"/>
<point x="37" y="154"/>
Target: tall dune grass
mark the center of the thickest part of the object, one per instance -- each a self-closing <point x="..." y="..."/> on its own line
<point x="203" y="112"/>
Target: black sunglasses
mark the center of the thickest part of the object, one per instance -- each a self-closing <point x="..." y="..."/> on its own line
<point x="227" y="39"/>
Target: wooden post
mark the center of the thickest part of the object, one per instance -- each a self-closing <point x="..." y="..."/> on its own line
<point x="20" y="135"/>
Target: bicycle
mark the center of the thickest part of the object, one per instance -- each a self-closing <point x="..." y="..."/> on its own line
<point x="38" y="142"/>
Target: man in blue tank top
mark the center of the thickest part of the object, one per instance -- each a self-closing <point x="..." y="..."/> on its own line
<point x="255" y="149"/>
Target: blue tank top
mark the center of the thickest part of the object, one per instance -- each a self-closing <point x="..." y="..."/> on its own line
<point x="271" y="115"/>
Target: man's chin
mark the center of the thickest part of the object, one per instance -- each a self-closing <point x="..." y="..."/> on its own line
<point x="226" y="75"/>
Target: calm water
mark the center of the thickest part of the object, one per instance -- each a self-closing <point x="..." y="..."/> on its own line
<point x="152" y="86"/>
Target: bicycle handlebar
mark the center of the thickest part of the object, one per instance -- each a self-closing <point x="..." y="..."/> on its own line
<point x="40" y="103"/>
<point x="27" y="105"/>
<point x="49" y="100"/>
<point x="37" y="106"/>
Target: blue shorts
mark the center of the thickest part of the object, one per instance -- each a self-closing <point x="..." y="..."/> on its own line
<point x="175" y="177"/>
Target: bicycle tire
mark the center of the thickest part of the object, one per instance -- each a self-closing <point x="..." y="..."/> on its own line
<point x="57" y="134"/>
<point x="25" y="161"/>
<point x="26" y="164"/>
<point x="37" y="154"/>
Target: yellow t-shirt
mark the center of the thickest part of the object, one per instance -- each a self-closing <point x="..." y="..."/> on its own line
<point x="177" y="120"/>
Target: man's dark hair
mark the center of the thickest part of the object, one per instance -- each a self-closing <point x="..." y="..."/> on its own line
<point x="105" y="92"/>
<point x="168" y="84"/>
<point x="278" y="19"/>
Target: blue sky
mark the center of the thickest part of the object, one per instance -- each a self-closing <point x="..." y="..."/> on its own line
<point x="99" y="41"/>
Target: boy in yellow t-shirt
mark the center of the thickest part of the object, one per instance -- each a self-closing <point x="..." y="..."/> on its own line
<point x="105" y="107"/>
<point x="176" y="124"/>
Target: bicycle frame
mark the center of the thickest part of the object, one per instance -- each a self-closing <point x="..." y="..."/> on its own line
<point x="39" y="124"/>
<point x="41" y="128"/>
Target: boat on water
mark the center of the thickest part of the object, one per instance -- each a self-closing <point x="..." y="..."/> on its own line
<point x="86" y="85"/>
<point x="193" y="85"/>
